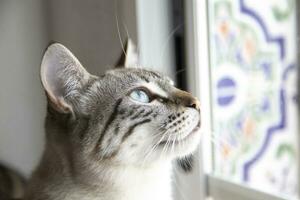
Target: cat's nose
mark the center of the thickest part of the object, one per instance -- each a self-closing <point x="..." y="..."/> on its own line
<point x="186" y="99"/>
<point x="193" y="103"/>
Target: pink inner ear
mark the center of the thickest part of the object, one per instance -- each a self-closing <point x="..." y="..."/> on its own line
<point x="54" y="82"/>
<point x="53" y="85"/>
<point x="50" y="79"/>
<point x="61" y="73"/>
<point x="54" y="92"/>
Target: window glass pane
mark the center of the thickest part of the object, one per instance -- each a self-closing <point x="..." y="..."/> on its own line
<point x="254" y="93"/>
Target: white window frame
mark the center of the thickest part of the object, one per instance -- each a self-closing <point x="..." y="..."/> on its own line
<point x="210" y="187"/>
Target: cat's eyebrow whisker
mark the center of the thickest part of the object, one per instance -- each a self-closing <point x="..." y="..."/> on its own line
<point x="128" y="36"/>
<point x="118" y="28"/>
<point x="126" y="29"/>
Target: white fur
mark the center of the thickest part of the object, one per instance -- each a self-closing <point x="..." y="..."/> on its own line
<point x="146" y="184"/>
<point x="122" y="183"/>
<point x="156" y="89"/>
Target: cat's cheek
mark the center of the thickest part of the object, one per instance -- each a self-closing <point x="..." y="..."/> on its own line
<point x="133" y="150"/>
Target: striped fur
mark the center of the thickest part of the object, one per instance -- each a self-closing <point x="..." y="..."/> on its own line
<point x="104" y="145"/>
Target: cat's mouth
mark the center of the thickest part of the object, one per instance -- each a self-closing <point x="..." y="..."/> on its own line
<point x="181" y="140"/>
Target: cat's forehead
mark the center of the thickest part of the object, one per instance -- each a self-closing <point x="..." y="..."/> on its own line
<point x="138" y="74"/>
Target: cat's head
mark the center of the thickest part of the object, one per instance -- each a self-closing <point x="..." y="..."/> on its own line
<point x="128" y="115"/>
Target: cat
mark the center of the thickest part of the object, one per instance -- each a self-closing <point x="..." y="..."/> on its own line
<point x="112" y="137"/>
<point x="12" y="183"/>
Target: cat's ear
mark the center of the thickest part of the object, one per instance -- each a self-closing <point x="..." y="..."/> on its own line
<point x="129" y="57"/>
<point x="62" y="75"/>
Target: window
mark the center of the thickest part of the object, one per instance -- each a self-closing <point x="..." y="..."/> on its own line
<point x="243" y="66"/>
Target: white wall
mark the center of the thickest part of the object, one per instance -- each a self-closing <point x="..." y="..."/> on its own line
<point x="89" y="29"/>
<point x="155" y="35"/>
<point x="23" y="37"/>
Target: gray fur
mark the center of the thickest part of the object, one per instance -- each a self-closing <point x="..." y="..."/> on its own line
<point x="97" y="137"/>
<point x="12" y="184"/>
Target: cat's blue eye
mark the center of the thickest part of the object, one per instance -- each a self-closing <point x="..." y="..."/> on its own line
<point x="140" y="96"/>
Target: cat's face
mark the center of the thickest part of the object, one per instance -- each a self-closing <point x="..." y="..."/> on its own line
<point x="143" y="116"/>
<point x="128" y="115"/>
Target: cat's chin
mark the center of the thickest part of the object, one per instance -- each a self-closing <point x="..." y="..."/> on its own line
<point x="184" y="146"/>
<point x="188" y="145"/>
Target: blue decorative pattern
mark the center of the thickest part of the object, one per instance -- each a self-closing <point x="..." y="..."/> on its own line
<point x="269" y="38"/>
<point x="253" y="76"/>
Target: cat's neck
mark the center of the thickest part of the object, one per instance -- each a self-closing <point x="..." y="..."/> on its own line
<point x="106" y="182"/>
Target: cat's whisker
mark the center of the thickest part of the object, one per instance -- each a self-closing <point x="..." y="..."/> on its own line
<point x="214" y="133"/>
<point x="180" y="144"/>
<point x="152" y="149"/>
<point x="180" y="71"/>
<point x="172" y="145"/>
<point x="216" y="139"/>
<point x="161" y="136"/>
<point x="165" y="149"/>
<point x="126" y="29"/>
<point x="137" y="47"/>
<point x="174" y="141"/>
<point x="165" y="146"/>
<point x="219" y="143"/>
<point x="220" y="140"/>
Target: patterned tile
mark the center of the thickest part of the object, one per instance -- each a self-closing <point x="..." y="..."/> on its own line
<point x="253" y="81"/>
